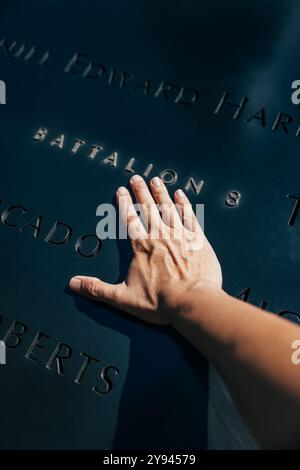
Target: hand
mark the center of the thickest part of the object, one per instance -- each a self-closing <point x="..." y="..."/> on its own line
<point x="170" y="255"/>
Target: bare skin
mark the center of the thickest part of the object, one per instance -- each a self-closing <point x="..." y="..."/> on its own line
<point x="170" y="283"/>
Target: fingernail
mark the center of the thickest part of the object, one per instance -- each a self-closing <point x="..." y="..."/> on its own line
<point x="75" y="284"/>
<point x="180" y="193"/>
<point x="135" y="178"/>
<point x="156" y="181"/>
<point x="122" y="190"/>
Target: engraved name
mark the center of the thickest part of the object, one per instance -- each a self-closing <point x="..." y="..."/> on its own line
<point x="79" y="63"/>
<point x="57" y="355"/>
<point x="83" y="66"/>
<point x="282" y="122"/>
<point x="16" y="217"/>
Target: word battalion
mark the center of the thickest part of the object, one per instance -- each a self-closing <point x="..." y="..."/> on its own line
<point x="112" y="159"/>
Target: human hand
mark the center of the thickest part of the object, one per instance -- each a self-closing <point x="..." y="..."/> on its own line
<point x="171" y="256"/>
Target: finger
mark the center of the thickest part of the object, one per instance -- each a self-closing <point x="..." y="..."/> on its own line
<point x="116" y="295"/>
<point x="187" y="214"/>
<point x="95" y="289"/>
<point x="129" y="216"/>
<point x="149" y="211"/>
<point x="167" y="207"/>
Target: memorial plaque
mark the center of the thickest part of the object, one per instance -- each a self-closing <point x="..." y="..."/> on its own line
<point x="196" y="92"/>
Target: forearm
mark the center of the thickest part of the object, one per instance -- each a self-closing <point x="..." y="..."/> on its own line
<point x="250" y="348"/>
<point x="252" y="351"/>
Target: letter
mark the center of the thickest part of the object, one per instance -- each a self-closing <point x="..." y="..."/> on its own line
<point x="108" y="221"/>
<point x="10" y="49"/>
<point x="244" y="295"/>
<point x="181" y="99"/>
<point x="261" y="116"/>
<point x="95" y="250"/>
<point x="111" y="76"/>
<point x="295" y="95"/>
<point x="129" y="168"/>
<point x="77" y="144"/>
<point x="106" y="380"/>
<point x="4" y="45"/>
<point x="295" y="357"/>
<point x="126" y="461"/>
<point x="289" y="314"/>
<point x="281" y="121"/>
<point x="99" y="74"/>
<point x="65" y="239"/>
<point x="87" y="361"/>
<point x="2" y="92"/>
<point x="32" y="52"/>
<point x="2" y="353"/>
<point x="191" y="183"/>
<point x="125" y="79"/>
<point x="7" y="212"/>
<point x="263" y="305"/>
<point x="75" y="60"/>
<point x="111" y="160"/>
<point x="58" y="357"/>
<point x="148" y="170"/>
<point x="295" y="209"/>
<point x="239" y="107"/>
<point x="129" y="165"/>
<point x="144" y="85"/>
<point x="200" y="218"/>
<point x="122" y="226"/>
<point x="59" y="141"/>
<point x="45" y="59"/>
<point x="40" y="134"/>
<point x="35" y="344"/>
<point x="13" y="331"/>
<point x="35" y="224"/>
<point x="95" y="150"/>
<point x="163" y="89"/>
<point x="169" y="176"/>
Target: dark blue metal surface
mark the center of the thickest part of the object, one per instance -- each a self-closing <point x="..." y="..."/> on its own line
<point x="248" y="49"/>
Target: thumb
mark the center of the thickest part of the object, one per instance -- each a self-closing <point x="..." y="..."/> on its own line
<point x="95" y="289"/>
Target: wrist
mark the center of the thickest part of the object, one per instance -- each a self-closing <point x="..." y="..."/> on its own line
<point x="190" y="300"/>
<point x="202" y="318"/>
